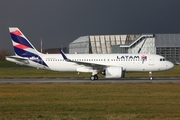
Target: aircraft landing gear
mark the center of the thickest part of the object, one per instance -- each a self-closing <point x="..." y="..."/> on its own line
<point x="94" y="77"/>
<point x="150" y="76"/>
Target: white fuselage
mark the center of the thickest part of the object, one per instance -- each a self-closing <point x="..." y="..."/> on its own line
<point x="129" y="62"/>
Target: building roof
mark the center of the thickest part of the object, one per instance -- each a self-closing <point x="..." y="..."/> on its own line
<point x="167" y="40"/>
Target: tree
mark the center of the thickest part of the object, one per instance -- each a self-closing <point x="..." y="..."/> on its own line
<point x="4" y="53"/>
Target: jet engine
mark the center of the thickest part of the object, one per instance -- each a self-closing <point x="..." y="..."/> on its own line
<point x="114" y="72"/>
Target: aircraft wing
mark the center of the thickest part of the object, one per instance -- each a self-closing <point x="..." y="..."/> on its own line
<point x="93" y="65"/>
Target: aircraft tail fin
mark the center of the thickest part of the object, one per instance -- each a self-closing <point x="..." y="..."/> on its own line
<point x="22" y="46"/>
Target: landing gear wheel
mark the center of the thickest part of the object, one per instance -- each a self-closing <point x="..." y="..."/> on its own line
<point x="94" y="77"/>
<point x="151" y="78"/>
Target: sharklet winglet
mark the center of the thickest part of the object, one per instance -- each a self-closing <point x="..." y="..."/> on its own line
<point x="64" y="56"/>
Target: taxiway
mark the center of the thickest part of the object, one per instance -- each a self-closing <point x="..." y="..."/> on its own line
<point x="82" y="80"/>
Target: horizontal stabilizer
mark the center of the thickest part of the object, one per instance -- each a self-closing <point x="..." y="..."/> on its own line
<point x="19" y="59"/>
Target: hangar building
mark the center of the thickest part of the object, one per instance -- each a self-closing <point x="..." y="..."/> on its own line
<point x="167" y="45"/>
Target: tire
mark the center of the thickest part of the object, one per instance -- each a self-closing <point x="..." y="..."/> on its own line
<point x="96" y="77"/>
<point x="92" y="78"/>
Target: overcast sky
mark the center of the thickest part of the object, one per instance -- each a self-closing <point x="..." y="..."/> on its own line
<point x="60" y="22"/>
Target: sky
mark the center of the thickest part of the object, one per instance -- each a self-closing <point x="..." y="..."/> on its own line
<point x="59" y="22"/>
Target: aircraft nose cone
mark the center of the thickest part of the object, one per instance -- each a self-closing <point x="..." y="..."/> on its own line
<point x="170" y="65"/>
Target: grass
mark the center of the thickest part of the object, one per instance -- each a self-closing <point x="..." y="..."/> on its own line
<point x="12" y="70"/>
<point x="88" y="101"/>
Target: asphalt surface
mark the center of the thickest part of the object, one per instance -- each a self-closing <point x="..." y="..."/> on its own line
<point x="82" y="80"/>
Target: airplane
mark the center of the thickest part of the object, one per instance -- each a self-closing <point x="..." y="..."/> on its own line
<point x="178" y="63"/>
<point x="110" y="65"/>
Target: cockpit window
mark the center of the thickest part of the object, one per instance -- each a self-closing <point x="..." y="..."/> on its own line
<point x="162" y="59"/>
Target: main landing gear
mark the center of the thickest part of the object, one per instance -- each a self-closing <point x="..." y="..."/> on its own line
<point x="150" y="76"/>
<point x="94" y="77"/>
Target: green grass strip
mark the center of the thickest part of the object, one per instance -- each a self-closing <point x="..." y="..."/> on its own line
<point x="88" y="101"/>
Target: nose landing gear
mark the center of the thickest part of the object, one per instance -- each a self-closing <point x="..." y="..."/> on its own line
<point x="150" y="75"/>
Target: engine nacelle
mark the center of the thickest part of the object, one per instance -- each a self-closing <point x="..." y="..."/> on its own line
<point x="114" y="72"/>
